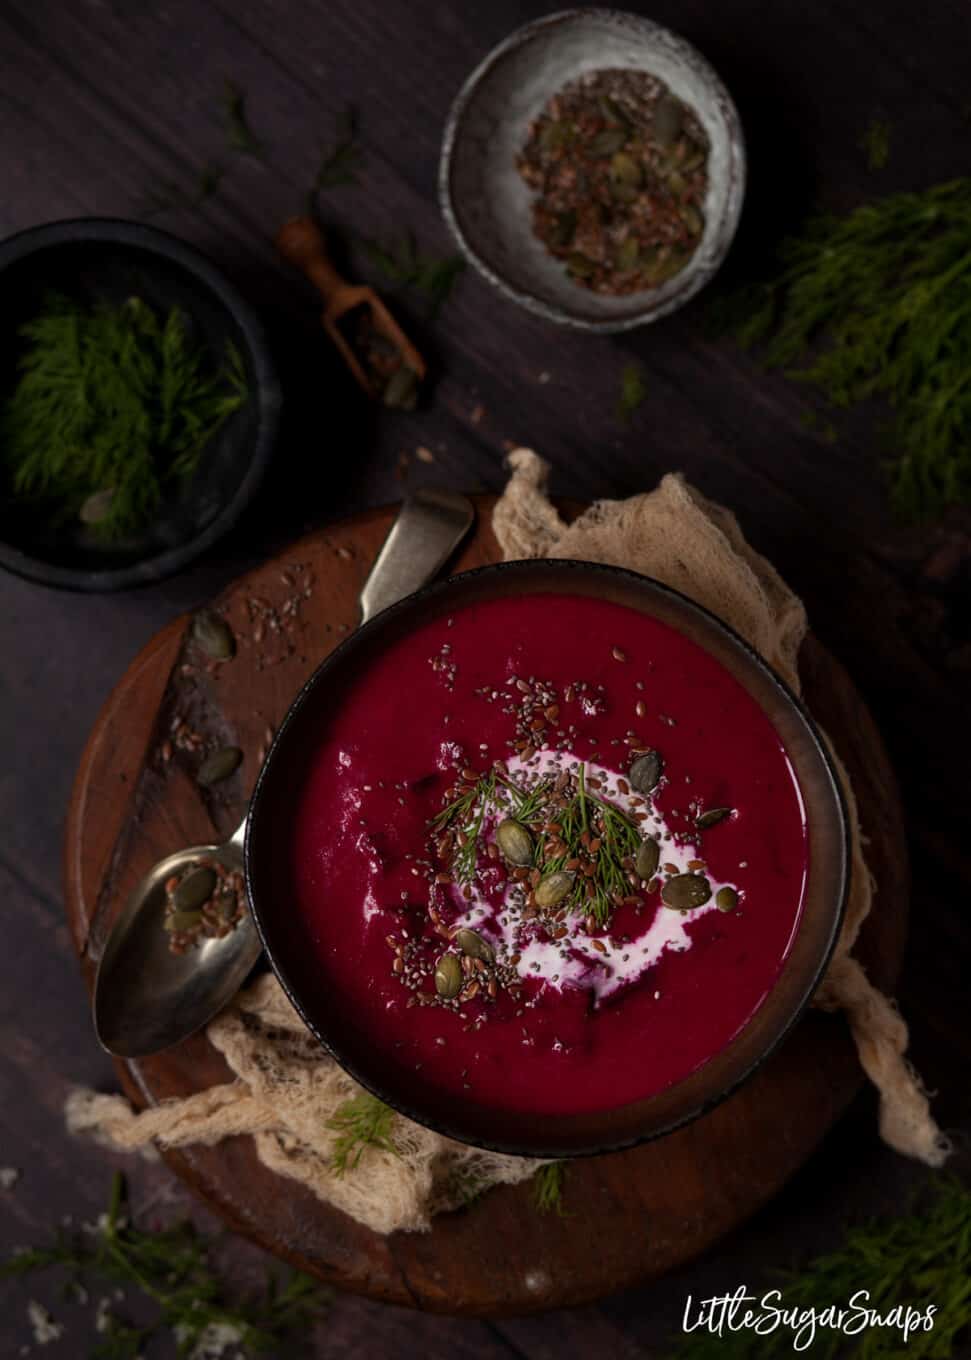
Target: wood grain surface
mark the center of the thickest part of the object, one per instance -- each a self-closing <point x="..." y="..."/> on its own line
<point x="645" y="1211"/>
<point x="105" y="102"/>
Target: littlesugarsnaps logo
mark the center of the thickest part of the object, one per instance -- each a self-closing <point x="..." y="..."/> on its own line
<point x="741" y="1311"/>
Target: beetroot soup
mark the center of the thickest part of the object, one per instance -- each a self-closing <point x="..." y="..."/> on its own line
<point x="547" y="854"/>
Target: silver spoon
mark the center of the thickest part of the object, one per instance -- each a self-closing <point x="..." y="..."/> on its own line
<point x="145" y="997"/>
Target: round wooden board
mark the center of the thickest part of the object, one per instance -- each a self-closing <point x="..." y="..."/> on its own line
<point x="633" y="1215"/>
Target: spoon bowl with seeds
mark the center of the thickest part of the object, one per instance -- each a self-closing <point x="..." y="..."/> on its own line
<point x="156" y="985"/>
<point x="185" y="942"/>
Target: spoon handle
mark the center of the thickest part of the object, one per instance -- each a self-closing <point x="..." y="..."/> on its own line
<point x="430" y="525"/>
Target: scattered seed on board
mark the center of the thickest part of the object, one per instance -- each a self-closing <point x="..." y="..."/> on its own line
<point x="218" y="766"/>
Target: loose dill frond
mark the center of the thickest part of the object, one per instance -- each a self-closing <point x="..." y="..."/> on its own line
<point x="878" y="303"/>
<point x="875" y="143"/>
<point x="361" y="1122"/>
<point x="548" y="1184"/>
<point x="404" y="266"/>
<point x="342" y="163"/>
<point x="169" y="196"/>
<point x="170" y="1268"/>
<point x="921" y="1259"/>
<point x="113" y="402"/>
<point x="236" y="120"/>
<point x="633" y="390"/>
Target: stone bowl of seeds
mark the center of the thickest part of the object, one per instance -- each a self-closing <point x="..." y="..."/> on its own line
<point x="593" y="169"/>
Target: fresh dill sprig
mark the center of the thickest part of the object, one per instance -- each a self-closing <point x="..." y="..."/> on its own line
<point x="585" y="818"/>
<point x="920" y="1259"/>
<point x="236" y="120"/>
<point x="361" y="1122"/>
<point x="878" y="303"/>
<point x="548" y="1183"/>
<point x="170" y="196"/>
<point x="589" y="816"/>
<point x="633" y="390"/>
<point x="343" y="162"/>
<point x="466" y="816"/>
<point x="113" y="403"/>
<point x="404" y="266"/>
<point x="170" y="1267"/>
<point x="529" y="806"/>
<point x="875" y="143"/>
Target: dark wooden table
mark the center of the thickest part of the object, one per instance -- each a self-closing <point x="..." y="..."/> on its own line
<point x="104" y="101"/>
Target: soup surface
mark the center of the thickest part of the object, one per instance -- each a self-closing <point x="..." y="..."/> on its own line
<point x="547" y="856"/>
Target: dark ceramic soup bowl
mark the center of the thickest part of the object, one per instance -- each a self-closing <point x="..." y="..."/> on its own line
<point x="287" y="943"/>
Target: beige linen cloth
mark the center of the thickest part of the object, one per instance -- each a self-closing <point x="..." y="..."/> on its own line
<point x="286" y="1089"/>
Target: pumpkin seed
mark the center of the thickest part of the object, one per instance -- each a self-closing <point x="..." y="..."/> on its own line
<point x="607" y="142"/>
<point x="612" y="111"/>
<point x="668" y="120"/>
<point x="220" y="765"/>
<point x="621" y="192"/>
<point x="195" y="889"/>
<point x="580" y="266"/>
<point x="182" y="920"/>
<point x="712" y="817"/>
<point x="645" y="772"/>
<point x="685" y="891"/>
<point x="627" y="254"/>
<point x="564" y="229"/>
<point x="515" y="842"/>
<point x="676" y="182"/>
<point x="726" y="899"/>
<point x="665" y="268"/>
<point x="554" y="135"/>
<point x="401" y="389"/>
<point x="97" y="506"/>
<point x="551" y="890"/>
<point x="648" y="854"/>
<point x="624" y="169"/>
<point x="474" y="946"/>
<point x="448" y="976"/>
<point x="214" y="635"/>
<point x="693" y="159"/>
<point x="692" y="219"/>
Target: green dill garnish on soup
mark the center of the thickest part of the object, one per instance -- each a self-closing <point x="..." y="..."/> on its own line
<point x="170" y="1270"/>
<point x="114" y="405"/>
<point x="920" y="1259"/>
<point x="878" y="304"/>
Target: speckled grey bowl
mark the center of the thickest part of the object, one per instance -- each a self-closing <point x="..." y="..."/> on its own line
<point x="487" y="204"/>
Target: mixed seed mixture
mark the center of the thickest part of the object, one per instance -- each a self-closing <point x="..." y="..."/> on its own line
<point x="206" y="901"/>
<point x="619" y="166"/>
<point x="550" y="849"/>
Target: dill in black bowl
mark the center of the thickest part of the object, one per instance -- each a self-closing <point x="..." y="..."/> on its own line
<point x="114" y="403"/>
<point x="138" y="404"/>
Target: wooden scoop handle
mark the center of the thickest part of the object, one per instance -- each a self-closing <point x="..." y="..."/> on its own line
<point x="301" y="242"/>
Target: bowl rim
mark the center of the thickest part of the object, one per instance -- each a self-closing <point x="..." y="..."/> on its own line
<point x="263" y="914"/>
<point x="694" y="280"/>
<point x="156" y="241"/>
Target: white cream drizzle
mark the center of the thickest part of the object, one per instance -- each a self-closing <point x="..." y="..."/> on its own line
<point x="622" y="963"/>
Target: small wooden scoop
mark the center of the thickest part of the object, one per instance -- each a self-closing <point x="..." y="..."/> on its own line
<point x="391" y="379"/>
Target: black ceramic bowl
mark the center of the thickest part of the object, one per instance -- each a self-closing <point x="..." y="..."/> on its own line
<point x="100" y="258"/>
<point x="271" y="814"/>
